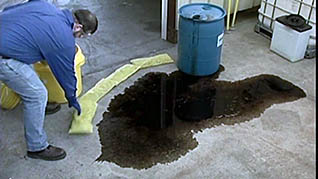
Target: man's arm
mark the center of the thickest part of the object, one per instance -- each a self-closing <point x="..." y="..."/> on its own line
<point x="61" y="62"/>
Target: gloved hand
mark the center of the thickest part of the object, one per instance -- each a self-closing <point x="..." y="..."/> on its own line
<point x="72" y="102"/>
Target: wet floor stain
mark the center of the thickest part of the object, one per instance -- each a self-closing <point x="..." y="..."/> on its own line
<point x="154" y="120"/>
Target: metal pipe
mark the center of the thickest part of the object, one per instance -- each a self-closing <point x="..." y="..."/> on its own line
<point x="311" y="8"/>
<point x="228" y="15"/>
<point x="235" y="11"/>
<point x="301" y="2"/>
<point x="271" y="25"/>
<point x="277" y="7"/>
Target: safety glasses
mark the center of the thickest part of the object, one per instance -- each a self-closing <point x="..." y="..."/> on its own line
<point x="84" y="34"/>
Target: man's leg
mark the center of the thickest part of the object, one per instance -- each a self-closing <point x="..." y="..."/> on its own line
<point x="23" y="80"/>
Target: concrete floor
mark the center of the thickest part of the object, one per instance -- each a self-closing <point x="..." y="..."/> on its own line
<point x="279" y="144"/>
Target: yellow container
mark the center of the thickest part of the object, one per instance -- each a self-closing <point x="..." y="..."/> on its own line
<point x="55" y="92"/>
<point x="9" y="99"/>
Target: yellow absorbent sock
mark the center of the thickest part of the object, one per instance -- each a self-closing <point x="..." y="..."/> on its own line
<point x="89" y="101"/>
<point x="123" y="73"/>
<point x="152" y="61"/>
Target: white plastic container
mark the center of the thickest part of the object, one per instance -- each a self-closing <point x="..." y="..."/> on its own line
<point x="288" y="42"/>
<point x="271" y="9"/>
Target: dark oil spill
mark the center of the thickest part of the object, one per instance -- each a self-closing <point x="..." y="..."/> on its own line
<point x="152" y="121"/>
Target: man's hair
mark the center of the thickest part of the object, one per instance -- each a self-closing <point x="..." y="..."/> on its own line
<point x="87" y="19"/>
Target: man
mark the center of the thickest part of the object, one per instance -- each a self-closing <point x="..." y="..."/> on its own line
<point x="33" y="31"/>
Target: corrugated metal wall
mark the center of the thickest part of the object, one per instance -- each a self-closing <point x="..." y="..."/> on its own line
<point x="243" y="4"/>
<point x="183" y="2"/>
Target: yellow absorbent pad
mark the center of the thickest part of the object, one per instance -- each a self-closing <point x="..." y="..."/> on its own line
<point x="89" y="101"/>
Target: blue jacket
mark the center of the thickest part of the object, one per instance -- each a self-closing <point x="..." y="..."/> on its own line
<point x="37" y="30"/>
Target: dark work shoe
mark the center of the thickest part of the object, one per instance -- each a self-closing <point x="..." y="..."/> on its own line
<point x="52" y="108"/>
<point x="51" y="153"/>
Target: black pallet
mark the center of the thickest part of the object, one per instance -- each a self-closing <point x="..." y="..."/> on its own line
<point x="310" y="52"/>
<point x="264" y="31"/>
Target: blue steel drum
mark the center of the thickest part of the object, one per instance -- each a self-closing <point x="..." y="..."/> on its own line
<point x="201" y="30"/>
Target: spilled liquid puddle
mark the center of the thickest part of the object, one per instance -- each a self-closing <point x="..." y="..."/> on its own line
<point x="152" y="121"/>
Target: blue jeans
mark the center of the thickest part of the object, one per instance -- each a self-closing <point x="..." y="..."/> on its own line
<point x="24" y="81"/>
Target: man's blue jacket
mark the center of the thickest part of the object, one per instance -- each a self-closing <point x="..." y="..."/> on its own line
<point x="37" y="30"/>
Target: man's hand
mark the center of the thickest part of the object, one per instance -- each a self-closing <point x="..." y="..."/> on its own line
<point x="72" y="102"/>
